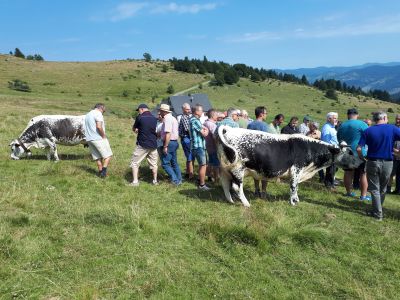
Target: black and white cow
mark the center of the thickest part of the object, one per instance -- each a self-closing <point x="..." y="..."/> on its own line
<point x="263" y="156"/>
<point x="46" y="131"/>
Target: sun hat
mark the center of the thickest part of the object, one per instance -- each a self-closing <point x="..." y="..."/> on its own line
<point x="164" y="107"/>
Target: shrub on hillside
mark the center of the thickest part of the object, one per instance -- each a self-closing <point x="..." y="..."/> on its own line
<point x="164" y="69"/>
<point x="147" y="57"/>
<point x="390" y="110"/>
<point x="170" y="89"/>
<point x="125" y="93"/>
<point x="18" y="53"/>
<point x="331" y="94"/>
<point x="19" y="85"/>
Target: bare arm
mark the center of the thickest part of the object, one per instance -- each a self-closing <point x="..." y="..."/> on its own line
<point x="166" y="142"/>
<point x="99" y="127"/>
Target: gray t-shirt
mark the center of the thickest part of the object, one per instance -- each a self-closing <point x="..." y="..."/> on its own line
<point x="91" y="118"/>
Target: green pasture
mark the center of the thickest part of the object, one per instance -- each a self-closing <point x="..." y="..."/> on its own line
<point x="67" y="234"/>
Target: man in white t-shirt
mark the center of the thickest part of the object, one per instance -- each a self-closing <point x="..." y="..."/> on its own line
<point x="96" y="138"/>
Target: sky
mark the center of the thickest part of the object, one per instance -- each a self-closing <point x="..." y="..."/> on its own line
<point x="281" y="34"/>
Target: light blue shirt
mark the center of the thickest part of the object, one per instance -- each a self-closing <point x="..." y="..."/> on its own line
<point x="351" y="132"/>
<point x="91" y="133"/>
<point x="329" y="135"/>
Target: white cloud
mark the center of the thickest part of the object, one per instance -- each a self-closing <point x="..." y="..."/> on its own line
<point x="129" y="10"/>
<point x="182" y="8"/>
<point x="382" y="25"/>
<point x="126" y="10"/>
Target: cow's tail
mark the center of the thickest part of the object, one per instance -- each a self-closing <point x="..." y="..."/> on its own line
<point x="227" y="149"/>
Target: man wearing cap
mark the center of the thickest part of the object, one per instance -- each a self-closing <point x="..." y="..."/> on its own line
<point x="95" y="135"/>
<point x="351" y="132"/>
<point x="145" y="127"/>
<point x="169" y="136"/>
<point x="304" y="127"/>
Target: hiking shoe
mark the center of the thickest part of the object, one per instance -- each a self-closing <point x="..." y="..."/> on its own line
<point x="134" y="184"/>
<point x="204" y="187"/>
<point x="155" y="182"/>
<point x="351" y="195"/>
<point x="365" y="198"/>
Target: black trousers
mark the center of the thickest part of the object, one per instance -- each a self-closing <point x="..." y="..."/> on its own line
<point x="330" y="176"/>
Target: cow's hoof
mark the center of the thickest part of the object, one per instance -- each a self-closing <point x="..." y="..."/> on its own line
<point x="293" y="203"/>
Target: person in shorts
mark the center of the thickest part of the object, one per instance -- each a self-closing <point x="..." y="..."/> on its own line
<point x="145" y="126"/>
<point x="95" y="134"/>
<point x="197" y="135"/>
<point x="351" y="132"/>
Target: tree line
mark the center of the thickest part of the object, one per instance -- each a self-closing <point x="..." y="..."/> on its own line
<point x="225" y="73"/>
<point x="18" y="53"/>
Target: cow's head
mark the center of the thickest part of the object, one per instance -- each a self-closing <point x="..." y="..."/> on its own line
<point x="345" y="158"/>
<point x="18" y="151"/>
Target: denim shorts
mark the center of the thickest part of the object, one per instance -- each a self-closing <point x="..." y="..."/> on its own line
<point x="200" y="155"/>
<point x="213" y="159"/>
<point x="186" y="148"/>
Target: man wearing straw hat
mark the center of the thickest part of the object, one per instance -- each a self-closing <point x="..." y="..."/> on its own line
<point x="169" y="136"/>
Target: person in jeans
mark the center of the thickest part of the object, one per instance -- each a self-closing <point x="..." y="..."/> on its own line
<point x="380" y="140"/>
<point x="350" y="132"/>
<point x="213" y="161"/>
<point x="95" y="135"/>
<point x="329" y="135"/>
<point x="169" y="136"/>
<point x="197" y="135"/>
<point x="260" y="125"/>
<point x="184" y="134"/>
<point x="145" y="127"/>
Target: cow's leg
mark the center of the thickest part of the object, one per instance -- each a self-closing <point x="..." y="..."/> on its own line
<point x="55" y="154"/>
<point x="294" y="184"/>
<point x="237" y="185"/>
<point x="48" y="153"/>
<point x="226" y="185"/>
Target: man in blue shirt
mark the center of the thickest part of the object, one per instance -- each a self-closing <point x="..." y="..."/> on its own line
<point x="232" y="118"/>
<point x="146" y="144"/>
<point x="259" y="124"/>
<point x="380" y="140"/>
<point x="329" y="135"/>
<point x="350" y="132"/>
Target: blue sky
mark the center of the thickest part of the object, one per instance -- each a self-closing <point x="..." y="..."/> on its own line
<point x="269" y="34"/>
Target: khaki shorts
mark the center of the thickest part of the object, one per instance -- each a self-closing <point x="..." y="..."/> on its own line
<point x="141" y="153"/>
<point x="100" y="149"/>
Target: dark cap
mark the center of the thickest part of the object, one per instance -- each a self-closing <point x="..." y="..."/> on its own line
<point x="142" y="106"/>
<point x="307" y="118"/>
<point x="352" y="111"/>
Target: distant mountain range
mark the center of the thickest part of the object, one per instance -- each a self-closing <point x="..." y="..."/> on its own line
<point x="383" y="76"/>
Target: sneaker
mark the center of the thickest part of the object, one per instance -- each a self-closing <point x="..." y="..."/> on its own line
<point x="365" y="198"/>
<point x="351" y="195"/>
<point x="204" y="187"/>
<point x="155" y="182"/>
<point x="134" y="184"/>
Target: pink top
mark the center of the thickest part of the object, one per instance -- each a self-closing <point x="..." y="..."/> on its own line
<point x="170" y="124"/>
<point x="210" y="142"/>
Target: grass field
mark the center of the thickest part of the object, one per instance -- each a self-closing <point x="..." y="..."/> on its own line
<point x="65" y="234"/>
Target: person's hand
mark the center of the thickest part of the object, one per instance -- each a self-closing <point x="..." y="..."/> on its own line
<point x="165" y="150"/>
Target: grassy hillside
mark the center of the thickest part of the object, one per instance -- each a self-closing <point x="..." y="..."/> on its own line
<point x="64" y="233"/>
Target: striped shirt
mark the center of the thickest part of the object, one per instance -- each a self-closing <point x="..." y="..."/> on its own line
<point x="197" y="140"/>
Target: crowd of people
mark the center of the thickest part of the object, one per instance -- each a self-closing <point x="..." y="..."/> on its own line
<point x="377" y="145"/>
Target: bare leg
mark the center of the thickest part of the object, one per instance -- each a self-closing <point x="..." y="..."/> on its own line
<point x="202" y="174"/>
<point x="348" y="180"/>
<point x="135" y="174"/>
<point x="99" y="165"/>
<point x="363" y="184"/>
<point x="106" y="161"/>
